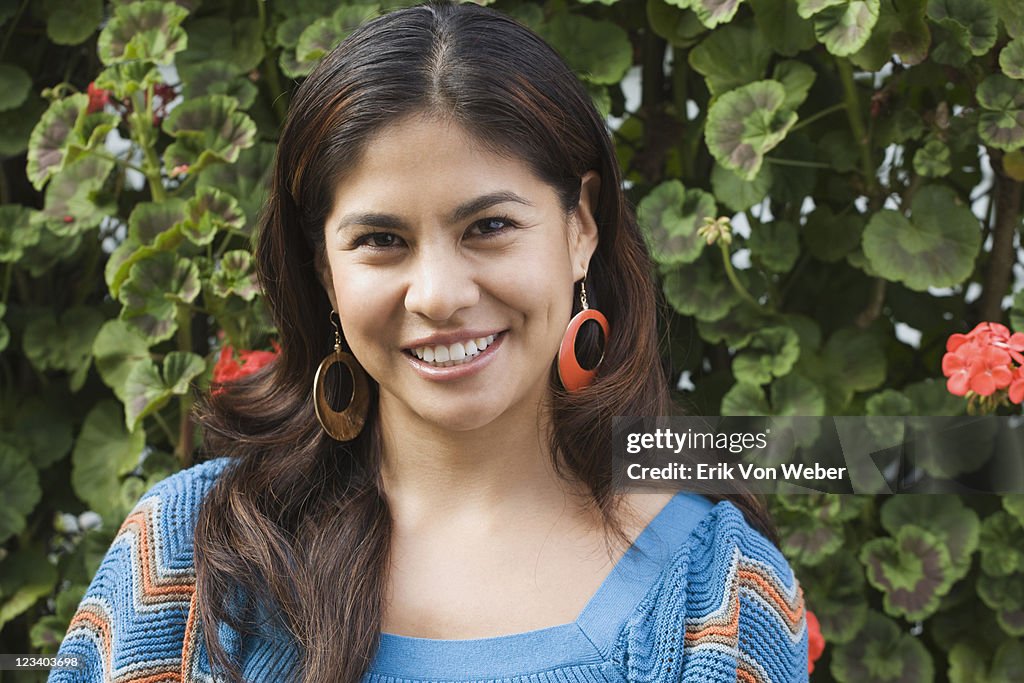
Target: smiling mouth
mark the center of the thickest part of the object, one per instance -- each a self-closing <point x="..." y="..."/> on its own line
<point x="459" y="353"/>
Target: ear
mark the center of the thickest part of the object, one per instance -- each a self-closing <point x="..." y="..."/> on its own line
<point x="323" y="273"/>
<point x="583" y="240"/>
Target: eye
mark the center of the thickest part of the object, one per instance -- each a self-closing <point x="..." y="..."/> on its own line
<point x="378" y="240"/>
<point x="493" y="225"/>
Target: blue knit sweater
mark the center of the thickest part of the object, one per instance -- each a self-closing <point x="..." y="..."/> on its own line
<point x="700" y="596"/>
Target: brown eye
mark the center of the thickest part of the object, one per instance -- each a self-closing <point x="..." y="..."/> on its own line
<point x="378" y="240"/>
<point x="493" y="226"/>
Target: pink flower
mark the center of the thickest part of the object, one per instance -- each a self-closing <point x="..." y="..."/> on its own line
<point x="980" y="361"/>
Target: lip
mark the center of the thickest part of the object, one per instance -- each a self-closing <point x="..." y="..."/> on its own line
<point x="449" y="338"/>
<point x="453" y="372"/>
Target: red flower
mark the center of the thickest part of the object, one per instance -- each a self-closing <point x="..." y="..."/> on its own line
<point x="815" y="641"/>
<point x="98" y="98"/>
<point x="980" y="361"/>
<point x="1016" y="389"/>
<point x="228" y="369"/>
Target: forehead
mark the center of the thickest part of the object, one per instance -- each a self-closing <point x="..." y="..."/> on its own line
<point x="426" y="162"/>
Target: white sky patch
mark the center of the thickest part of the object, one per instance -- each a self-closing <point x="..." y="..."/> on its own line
<point x="685" y="383"/>
<point x="973" y="292"/>
<point x="741" y="259"/>
<point x="740" y="226"/>
<point x="908" y="335"/>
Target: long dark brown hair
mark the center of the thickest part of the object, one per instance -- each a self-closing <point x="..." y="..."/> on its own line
<point x="300" y="521"/>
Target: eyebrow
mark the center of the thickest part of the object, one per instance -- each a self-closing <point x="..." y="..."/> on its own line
<point x="462" y="212"/>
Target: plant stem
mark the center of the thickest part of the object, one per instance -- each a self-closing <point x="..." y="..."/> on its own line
<point x="166" y="429"/>
<point x="117" y="160"/>
<point x="796" y="162"/>
<point x="10" y="29"/>
<point x="731" y="274"/>
<point x="852" y="104"/>
<point x="819" y="115"/>
<point x="183" y="449"/>
<point x="1001" y="260"/>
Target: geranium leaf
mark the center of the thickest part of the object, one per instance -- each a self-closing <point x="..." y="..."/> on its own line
<point x="151" y="222"/>
<point x="797" y="78"/>
<point x="73" y="203"/>
<point x="18" y="231"/>
<point x="913" y="570"/>
<point x="154" y="288"/>
<point x="71" y="23"/>
<point x="208" y="130"/>
<point x="599" y="51"/>
<point x="148" y="31"/>
<point x="1005" y="595"/>
<point x="882" y="652"/>
<point x="946" y="517"/>
<point x="15" y="84"/>
<point x="207" y="212"/>
<point x="737" y="193"/>
<point x="65" y="345"/>
<point x="835" y="588"/>
<point x="235" y="42"/>
<point x="830" y="237"/>
<point x="670" y="216"/>
<point x="246" y="180"/>
<point x="1011" y="58"/>
<point x="47" y="145"/>
<point x="808" y="8"/>
<point x="730" y="57"/>
<point x="855" y="359"/>
<point x="19" y="490"/>
<point x="218" y="78"/>
<point x="322" y="35"/>
<point x="1002" y="545"/>
<point x="117" y="348"/>
<point x="775" y="245"/>
<point x="962" y="28"/>
<point x="936" y="247"/>
<point x="745" y="399"/>
<point x="902" y="30"/>
<point x="782" y="27"/>
<point x="746" y="123"/>
<point x="147" y="389"/>
<point x="845" y="29"/>
<point x="235" y="276"/>
<point x="680" y="27"/>
<point x="694" y="289"/>
<point x="1002" y="125"/>
<point x="104" y="453"/>
<point x="771" y="352"/>
<point x="932" y="160"/>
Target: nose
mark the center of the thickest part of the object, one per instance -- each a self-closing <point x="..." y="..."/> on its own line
<point x="442" y="283"/>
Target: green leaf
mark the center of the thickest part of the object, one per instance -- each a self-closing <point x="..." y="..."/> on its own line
<point x="913" y="570"/>
<point x="235" y="276"/>
<point x="775" y="245"/>
<point x="881" y="408"/>
<point x="855" y="359"/>
<point x="935" y="248"/>
<point x="1012" y="14"/>
<point x="236" y="42"/>
<point x="71" y="23"/>
<point x="1002" y="545"/>
<point x="670" y="216"/>
<point x="680" y="27"/>
<point x="772" y="352"/>
<point x="147" y="389"/>
<point x="808" y="8"/>
<point x="845" y="29"/>
<point x="150" y="222"/>
<point x="209" y="211"/>
<point x="125" y="79"/>
<point x="932" y="160"/>
<point x="1002" y="125"/>
<point x="695" y="289"/>
<point x="797" y="78"/>
<point x="66" y="345"/>
<point x="15" y="84"/>
<point x="28" y="577"/>
<point x="40" y="433"/>
<point x="117" y="348"/>
<point x="246" y="180"/>
<point x="1017" y="311"/>
<point x="148" y="31"/>
<point x="5" y="334"/>
<point x="1011" y="58"/>
<point x="104" y="453"/>
<point x="218" y="78"/>
<point x="882" y="652"/>
<point x="152" y="292"/>
<point x="18" y="232"/>
<point x="731" y="57"/>
<point x="745" y="399"/>
<point x="16" y="125"/>
<point x="796" y="395"/>
<point x="711" y="12"/>
<point x="1012" y="502"/>
<point x="1005" y="595"/>
<point x="809" y="541"/>
<point x="830" y="237"/>
<point x="966" y="665"/>
<point x="599" y="51"/>
<point x="962" y="28"/>
<point x="74" y="201"/>
<point x="746" y="123"/>
<point x="902" y="30"/>
<point x="47" y="146"/>
<point x="325" y="33"/>
<point x="19" y="491"/>
<point x="207" y="130"/>
<point x="946" y="517"/>
<point x="835" y="589"/>
<point x="782" y="27"/>
<point x="737" y="193"/>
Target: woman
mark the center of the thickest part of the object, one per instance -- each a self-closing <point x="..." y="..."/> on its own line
<point x="445" y="213"/>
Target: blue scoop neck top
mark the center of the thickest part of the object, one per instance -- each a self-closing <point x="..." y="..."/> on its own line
<point x="588" y="639"/>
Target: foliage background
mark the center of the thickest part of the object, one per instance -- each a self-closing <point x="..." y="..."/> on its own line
<point x="868" y="153"/>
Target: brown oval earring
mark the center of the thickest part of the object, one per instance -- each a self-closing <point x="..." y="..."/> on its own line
<point x="343" y="425"/>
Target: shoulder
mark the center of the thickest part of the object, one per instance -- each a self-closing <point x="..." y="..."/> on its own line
<point x="134" y="614"/>
<point x="726" y="606"/>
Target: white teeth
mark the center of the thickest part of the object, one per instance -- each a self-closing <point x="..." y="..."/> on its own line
<point x="453" y="354"/>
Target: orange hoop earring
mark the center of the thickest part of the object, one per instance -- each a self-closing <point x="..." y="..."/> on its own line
<point x="573" y="375"/>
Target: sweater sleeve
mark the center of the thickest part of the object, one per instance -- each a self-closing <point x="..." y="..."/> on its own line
<point x="728" y="608"/>
<point x="131" y="624"/>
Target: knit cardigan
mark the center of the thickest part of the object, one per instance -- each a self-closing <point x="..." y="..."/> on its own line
<point x="700" y="596"/>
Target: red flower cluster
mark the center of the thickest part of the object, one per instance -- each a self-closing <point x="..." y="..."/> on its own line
<point x="98" y="98"/>
<point x="229" y="369"/>
<point x="981" y="361"/>
<point x="815" y="641"/>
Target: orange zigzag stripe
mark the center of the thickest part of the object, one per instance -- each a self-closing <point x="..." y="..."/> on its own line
<point x="154" y="591"/>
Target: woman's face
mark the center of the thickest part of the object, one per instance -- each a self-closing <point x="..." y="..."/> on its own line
<point x="452" y="271"/>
